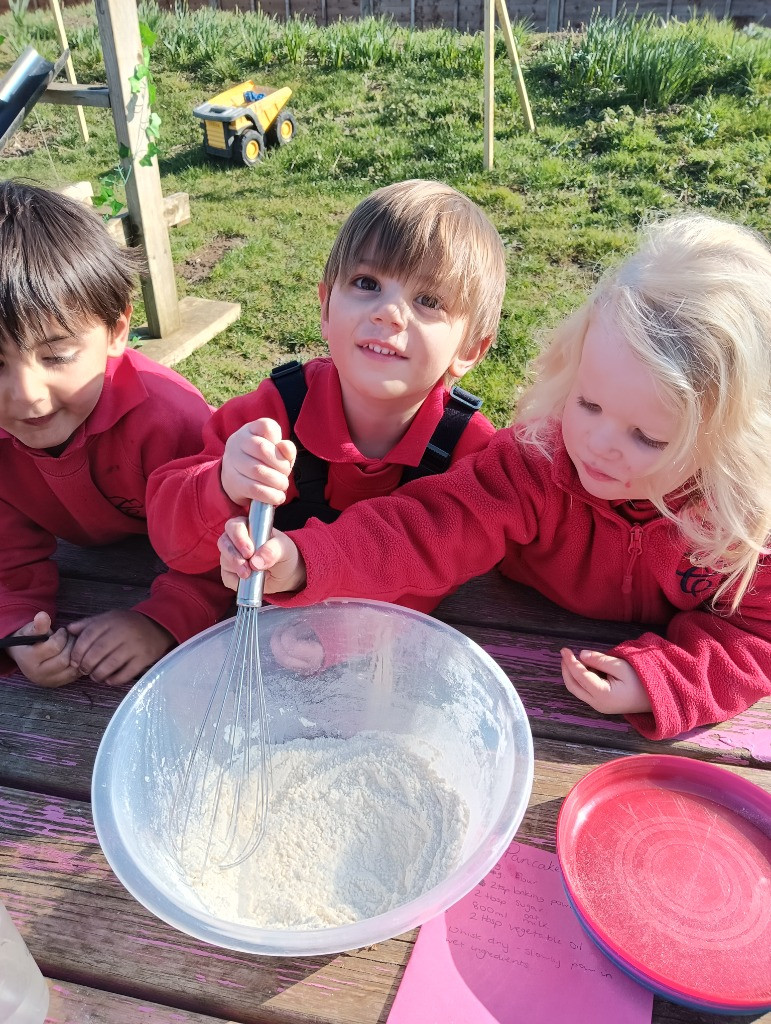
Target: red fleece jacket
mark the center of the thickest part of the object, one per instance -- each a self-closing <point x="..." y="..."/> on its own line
<point x="510" y="506"/>
<point x="188" y="507"/>
<point x="94" y="493"/>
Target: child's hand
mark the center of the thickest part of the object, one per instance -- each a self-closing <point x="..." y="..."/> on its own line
<point x="279" y="558"/>
<point x="609" y="685"/>
<point x="236" y="549"/>
<point x="116" y="647"/>
<point x="47" y="663"/>
<point x="256" y="464"/>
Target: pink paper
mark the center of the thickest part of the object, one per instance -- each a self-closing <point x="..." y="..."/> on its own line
<point x="514" y="951"/>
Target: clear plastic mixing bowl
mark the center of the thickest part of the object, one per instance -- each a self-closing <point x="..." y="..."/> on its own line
<point x="365" y="666"/>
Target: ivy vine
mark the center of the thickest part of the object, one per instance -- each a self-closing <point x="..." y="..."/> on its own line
<point x="117" y="176"/>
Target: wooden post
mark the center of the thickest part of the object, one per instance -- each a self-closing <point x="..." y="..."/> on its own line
<point x="491" y="6"/>
<point x="489" y="80"/>
<point x="69" y="70"/>
<point x="122" y="49"/>
<point x="511" y="46"/>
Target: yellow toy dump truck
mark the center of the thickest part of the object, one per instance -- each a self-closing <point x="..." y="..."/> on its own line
<point x="240" y="122"/>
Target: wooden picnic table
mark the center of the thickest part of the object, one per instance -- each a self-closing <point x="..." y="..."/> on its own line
<point x="110" y="961"/>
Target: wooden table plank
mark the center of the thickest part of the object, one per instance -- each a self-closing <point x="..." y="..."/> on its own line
<point x="131" y="561"/>
<point x="49" y="738"/>
<point x="84" y="928"/>
<point x="532" y="662"/>
<point x="498" y="603"/>
<point x="78" y="1004"/>
<point x="489" y="600"/>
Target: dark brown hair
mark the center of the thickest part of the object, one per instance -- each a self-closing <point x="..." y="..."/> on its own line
<point x="57" y="263"/>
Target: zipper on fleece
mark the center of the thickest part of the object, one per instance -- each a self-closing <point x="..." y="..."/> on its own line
<point x="634" y="550"/>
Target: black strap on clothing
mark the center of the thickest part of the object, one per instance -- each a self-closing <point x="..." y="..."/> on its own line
<point x="438" y="454"/>
<point x="290" y="381"/>
<point x="311" y="472"/>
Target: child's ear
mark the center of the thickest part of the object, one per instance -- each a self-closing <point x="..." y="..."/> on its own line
<point x="116" y="346"/>
<point x="323" y="297"/>
<point x="472" y="355"/>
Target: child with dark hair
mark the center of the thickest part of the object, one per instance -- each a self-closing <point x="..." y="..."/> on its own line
<point x="83" y="422"/>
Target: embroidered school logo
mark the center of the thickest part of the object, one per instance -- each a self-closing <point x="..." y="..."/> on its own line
<point x="696" y="579"/>
<point x="129" y="507"/>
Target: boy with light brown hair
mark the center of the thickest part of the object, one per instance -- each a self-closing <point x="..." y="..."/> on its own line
<point x="410" y="299"/>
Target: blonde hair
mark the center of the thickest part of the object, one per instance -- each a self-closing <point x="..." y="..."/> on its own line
<point x="694" y="305"/>
<point x="428" y="231"/>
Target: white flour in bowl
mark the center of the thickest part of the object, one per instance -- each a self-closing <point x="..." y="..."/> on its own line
<point x="355" y="827"/>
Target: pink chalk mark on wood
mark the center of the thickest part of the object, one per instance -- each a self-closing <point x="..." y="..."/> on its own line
<point x="517" y="656"/>
<point x="203" y="951"/>
<point x="595" y="723"/>
<point x="740" y="734"/>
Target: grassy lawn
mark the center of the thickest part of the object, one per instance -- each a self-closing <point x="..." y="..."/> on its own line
<point x="631" y="117"/>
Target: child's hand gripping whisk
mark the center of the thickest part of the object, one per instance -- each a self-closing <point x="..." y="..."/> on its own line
<point x="221" y="809"/>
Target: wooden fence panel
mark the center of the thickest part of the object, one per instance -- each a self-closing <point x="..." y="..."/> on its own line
<point x="466" y="15"/>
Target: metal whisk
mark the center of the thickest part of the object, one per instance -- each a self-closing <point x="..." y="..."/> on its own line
<point x="220" y="811"/>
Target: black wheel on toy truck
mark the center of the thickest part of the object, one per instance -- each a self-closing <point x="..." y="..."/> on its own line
<point x="250" y="148"/>
<point x="282" y="130"/>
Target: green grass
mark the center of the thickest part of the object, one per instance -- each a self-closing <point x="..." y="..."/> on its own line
<point x="631" y="117"/>
<point x="641" y="61"/>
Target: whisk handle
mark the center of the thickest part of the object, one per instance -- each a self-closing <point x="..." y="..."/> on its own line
<point x="249" y="594"/>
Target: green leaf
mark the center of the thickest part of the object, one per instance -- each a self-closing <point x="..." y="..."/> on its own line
<point x="153" y="129"/>
<point x="147" y="159"/>
<point x="146" y="34"/>
<point x="150" y="90"/>
<point x="124" y="152"/>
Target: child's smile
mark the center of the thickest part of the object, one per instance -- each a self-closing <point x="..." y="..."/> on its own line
<point x="50" y="388"/>
<point x="381" y="350"/>
<point x="390" y="339"/>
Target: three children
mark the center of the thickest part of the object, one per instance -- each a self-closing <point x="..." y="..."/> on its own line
<point x="83" y="422"/>
<point x="410" y="300"/>
<point x="634" y="484"/>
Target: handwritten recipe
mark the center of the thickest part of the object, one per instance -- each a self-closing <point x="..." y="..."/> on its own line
<point x="513" y="951"/>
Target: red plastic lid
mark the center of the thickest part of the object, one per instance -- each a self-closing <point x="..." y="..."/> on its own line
<point x="667" y="862"/>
